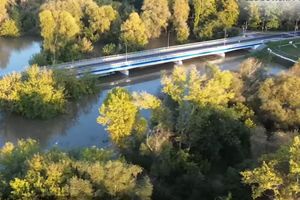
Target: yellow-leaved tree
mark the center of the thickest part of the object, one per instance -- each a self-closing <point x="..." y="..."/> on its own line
<point x="278" y="175"/>
<point x="119" y="114"/>
<point x="133" y="32"/>
<point x="181" y="11"/>
<point x="155" y="15"/>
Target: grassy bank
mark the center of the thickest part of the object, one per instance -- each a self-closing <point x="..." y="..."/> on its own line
<point x="287" y="48"/>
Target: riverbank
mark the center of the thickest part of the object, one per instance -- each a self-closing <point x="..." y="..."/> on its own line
<point x="285" y="52"/>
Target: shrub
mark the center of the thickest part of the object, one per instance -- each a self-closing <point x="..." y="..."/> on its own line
<point x="75" y="87"/>
<point x="39" y="59"/>
<point x="34" y="94"/>
<point x="109" y="49"/>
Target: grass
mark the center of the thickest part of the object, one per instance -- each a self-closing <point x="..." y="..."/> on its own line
<point x="281" y="47"/>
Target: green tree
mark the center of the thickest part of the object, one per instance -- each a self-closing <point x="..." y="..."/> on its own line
<point x="181" y="12"/>
<point x="278" y="174"/>
<point x="35" y="95"/>
<point x="204" y="10"/>
<point x="133" y="32"/>
<point x="9" y="28"/>
<point x="57" y="28"/>
<point x="271" y="16"/>
<point x="99" y="20"/>
<point x="279" y="101"/>
<point x="155" y="15"/>
<point x="203" y="100"/>
<point x="28" y="173"/>
<point x="119" y="114"/>
<point x="254" y="15"/>
<point x="229" y="13"/>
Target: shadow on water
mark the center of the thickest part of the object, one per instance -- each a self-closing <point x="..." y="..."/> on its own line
<point x="14" y="127"/>
<point x="16" y="52"/>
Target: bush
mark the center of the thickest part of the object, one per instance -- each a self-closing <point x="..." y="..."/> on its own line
<point x="75" y="87"/>
<point x="233" y="32"/>
<point x="109" y="49"/>
<point x="34" y="94"/>
<point x="42" y="93"/>
<point x="39" y="59"/>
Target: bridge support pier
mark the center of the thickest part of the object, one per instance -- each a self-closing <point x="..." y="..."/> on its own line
<point x="179" y="62"/>
<point x="125" y="72"/>
<point x="255" y="47"/>
<point x="223" y="55"/>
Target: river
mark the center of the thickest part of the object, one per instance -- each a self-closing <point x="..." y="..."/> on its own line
<point x="78" y="127"/>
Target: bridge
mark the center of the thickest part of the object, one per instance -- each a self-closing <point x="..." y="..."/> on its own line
<point x="125" y="62"/>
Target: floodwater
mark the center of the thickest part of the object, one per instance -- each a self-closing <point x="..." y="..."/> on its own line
<point x="78" y="127"/>
<point x="16" y="52"/>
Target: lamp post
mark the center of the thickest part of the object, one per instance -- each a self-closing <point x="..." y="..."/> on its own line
<point x="225" y="35"/>
<point x="126" y="52"/>
<point x="168" y="38"/>
<point x="296" y="28"/>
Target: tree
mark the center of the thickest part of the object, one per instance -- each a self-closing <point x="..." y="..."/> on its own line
<point x="99" y="20"/>
<point x="34" y="95"/>
<point x="212" y="88"/>
<point x="279" y="101"/>
<point x="229" y="13"/>
<point x="155" y="15"/>
<point x="205" y="110"/>
<point x="278" y="174"/>
<point x="9" y="29"/>
<point x="58" y="28"/>
<point x="181" y="12"/>
<point x="64" y="21"/>
<point x="133" y="32"/>
<point x="271" y="17"/>
<point x="119" y="114"/>
<point x="254" y="15"/>
<point x="251" y="73"/>
<point x="203" y="9"/>
<point x="3" y="10"/>
<point x="28" y="173"/>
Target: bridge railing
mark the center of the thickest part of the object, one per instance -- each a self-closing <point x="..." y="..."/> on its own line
<point x="138" y="53"/>
<point x="212" y="50"/>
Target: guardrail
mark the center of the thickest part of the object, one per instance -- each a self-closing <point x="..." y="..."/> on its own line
<point x="120" y="66"/>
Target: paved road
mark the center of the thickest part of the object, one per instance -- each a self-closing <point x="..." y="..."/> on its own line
<point x="163" y="55"/>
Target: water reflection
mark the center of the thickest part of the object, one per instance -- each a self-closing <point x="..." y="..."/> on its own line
<point x="16" y="52"/>
<point x="13" y="127"/>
